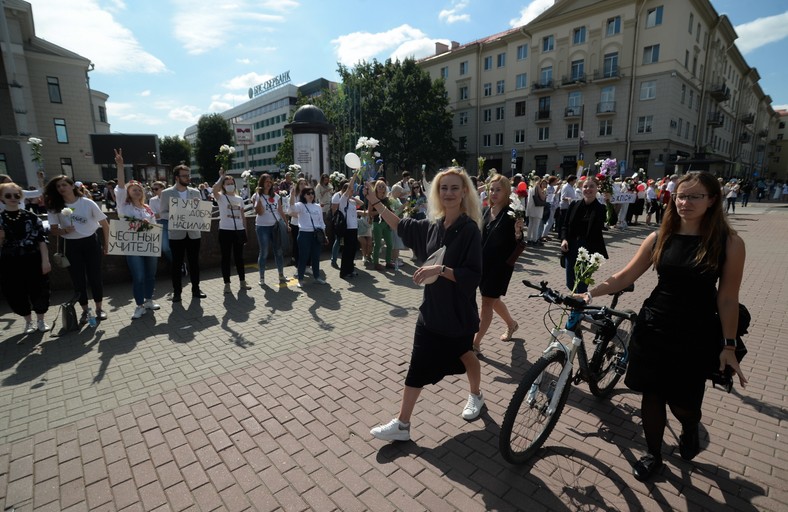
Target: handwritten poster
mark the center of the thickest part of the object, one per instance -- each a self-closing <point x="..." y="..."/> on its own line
<point x="190" y="214"/>
<point x="130" y="238"/>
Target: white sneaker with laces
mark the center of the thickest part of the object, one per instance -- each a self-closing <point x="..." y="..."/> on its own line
<point x="300" y="284"/>
<point x="42" y="326"/>
<point x="138" y="312"/>
<point x="473" y="408"/>
<point x="394" y="430"/>
<point x="149" y="304"/>
<point x="29" y="329"/>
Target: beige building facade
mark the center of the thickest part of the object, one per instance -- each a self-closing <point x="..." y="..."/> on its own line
<point x="45" y="94"/>
<point x="658" y="85"/>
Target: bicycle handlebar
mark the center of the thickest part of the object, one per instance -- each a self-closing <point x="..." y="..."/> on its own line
<point x="555" y="297"/>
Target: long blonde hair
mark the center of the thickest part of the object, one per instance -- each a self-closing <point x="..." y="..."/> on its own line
<point x="470" y="202"/>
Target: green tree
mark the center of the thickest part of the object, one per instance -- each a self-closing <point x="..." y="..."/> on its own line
<point x="212" y="131"/>
<point x="174" y="150"/>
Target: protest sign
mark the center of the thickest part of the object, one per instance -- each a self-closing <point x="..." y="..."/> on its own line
<point x="624" y="197"/>
<point x="190" y="214"/>
<point x="134" y="238"/>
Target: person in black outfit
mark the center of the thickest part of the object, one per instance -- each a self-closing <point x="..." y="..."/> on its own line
<point x="686" y="329"/>
<point x="583" y="228"/>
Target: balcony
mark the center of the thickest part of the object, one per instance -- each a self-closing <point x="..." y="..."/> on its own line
<point x="612" y="73"/>
<point x="575" y="111"/>
<point x="715" y="119"/>
<point x="763" y="134"/>
<point x="542" y="86"/>
<point x="542" y="115"/>
<point x="748" y="118"/>
<point x="744" y="138"/>
<point x="576" y="79"/>
<point x="720" y="92"/>
<point x="606" y="107"/>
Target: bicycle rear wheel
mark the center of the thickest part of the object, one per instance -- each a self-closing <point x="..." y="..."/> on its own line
<point x="526" y="424"/>
<point x="609" y="361"/>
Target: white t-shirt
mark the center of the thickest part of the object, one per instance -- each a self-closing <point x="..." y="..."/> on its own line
<point x="270" y="210"/>
<point x="85" y="218"/>
<point x="231" y="212"/>
<point x="155" y="205"/>
<point x="671" y="187"/>
<point x="305" y="213"/>
<point x="351" y="215"/>
<point x="128" y="210"/>
<point x="567" y="196"/>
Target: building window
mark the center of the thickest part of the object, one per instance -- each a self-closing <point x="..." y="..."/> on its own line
<point x="66" y="167"/>
<point x="519" y="109"/>
<point x="522" y="52"/>
<point x="544" y="107"/>
<point x="521" y="81"/>
<point x="464" y="68"/>
<point x="445" y="72"/>
<point x="605" y="127"/>
<point x="680" y="126"/>
<point x="686" y="59"/>
<point x="500" y="86"/>
<point x="644" y="124"/>
<point x="486" y="140"/>
<point x="579" y="35"/>
<point x="487" y="113"/>
<point x="648" y="90"/>
<point x="463" y="118"/>
<point x="697" y="36"/>
<point x="610" y="64"/>
<point x="651" y="54"/>
<point x="686" y="130"/>
<point x="464" y="92"/>
<point x="613" y="26"/>
<point x="499" y="139"/>
<point x="573" y="130"/>
<point x="691" y="22"/>
<point x="61" y="133"/>
<point x="3" y="164"/>
<point x="500" y="113"/>
<point x="463" y="143"/>
<point x="53" y="84"/>
<point x="546" y="76"/>
<point x="683" y="92"/>
<point x="487" y="63"/>
<point x="488" y="89"/>
<point x="102" y="114"/>
<point x="691" y="98"/>
<point x="575" y="102"/>
<point x="654" y="17"/>
<point x="543" y="133"/>
<point x="578" y="69"/>
<point x="519" y="136"/>
<point x="548" y="43"/>
<point x="501" y="61"/>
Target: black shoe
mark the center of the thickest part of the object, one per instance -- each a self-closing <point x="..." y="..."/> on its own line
<point x="176" y="297"/>
<point x="646" y="467"/>
<point x="689" y="443"/>
<point x="198" y="295"/>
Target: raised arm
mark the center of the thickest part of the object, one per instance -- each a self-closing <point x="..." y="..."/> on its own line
<point x="376" y="205"/>
<point x="121" y="169"/>
<point x="217" y="187"/>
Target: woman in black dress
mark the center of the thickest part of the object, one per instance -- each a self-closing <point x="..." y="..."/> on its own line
<point x="582" y="227"/>
<point x="686" y="329"/>
<point x="500" y="235"/>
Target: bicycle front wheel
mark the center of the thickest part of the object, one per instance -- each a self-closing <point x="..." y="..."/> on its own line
<point x="527" y="424"/>
<point x="609" y="361"/>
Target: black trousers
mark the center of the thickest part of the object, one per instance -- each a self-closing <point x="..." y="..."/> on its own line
<point x="190" y="249"/>
<point x="349" y="251"/>
<point x="23" y="284"/>
<point x="84" y="254"/>
<point x="232" y="244"/>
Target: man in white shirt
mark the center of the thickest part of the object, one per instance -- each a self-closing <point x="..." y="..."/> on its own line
<point x="567" y="195"/>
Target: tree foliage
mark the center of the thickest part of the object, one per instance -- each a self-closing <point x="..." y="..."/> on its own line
<point x="174" y="150"/>
<point x="212" y="131"/>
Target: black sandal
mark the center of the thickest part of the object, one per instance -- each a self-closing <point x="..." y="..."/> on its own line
<point x="646" y="467"/>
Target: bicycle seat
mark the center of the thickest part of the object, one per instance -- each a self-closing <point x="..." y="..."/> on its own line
<point x="629" y="288"/>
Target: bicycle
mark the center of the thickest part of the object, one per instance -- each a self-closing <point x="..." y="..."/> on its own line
<point x="540" y="397"/>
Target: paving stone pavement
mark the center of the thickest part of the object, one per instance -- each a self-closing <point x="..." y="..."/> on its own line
<point x="263" y="400"/>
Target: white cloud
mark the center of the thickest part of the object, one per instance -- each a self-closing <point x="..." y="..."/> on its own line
<point x="280" y="5"/>
<point x="83" y="27"/>
<point x="417" y="48"/>
<point x="357" y="46"/>
<point x="145" y="93"/>
<point x="186" y="113"/>
<point x="219" y="106"/>
<point x="131" y="113"/>
<point x="531" y="11"/>
<point x="243" y="61"/>
<point x="760" y="32"/>
<point x="453" y="15"/>
<point x="117" y="5"/>
<point x="245" y="81"/>
<point x="780" y="107"/>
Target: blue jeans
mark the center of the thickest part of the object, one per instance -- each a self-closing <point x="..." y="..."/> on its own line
<point x="143" y="276"/>
<point x="165" y="239"/>
<point x="308" y="247"/>
<point x="335" y="248"/>
<point x="265" y="240"/>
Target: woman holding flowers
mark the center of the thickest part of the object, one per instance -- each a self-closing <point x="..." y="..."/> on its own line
<point x="448" y="316"/>
<point x="348" y="205"/>
<point x="687" y="327"/>
<point x="268" y="207"/>
<point x="310" y="219"/>
<point x="76" y="219"/>
<point x="132" y="208"/>
<point x="381" y="232"/>
<point x="418" y="201"/>
<point x="583" y="228"/>
<point x="232" y="228"/>
<point x="502" y="230"/>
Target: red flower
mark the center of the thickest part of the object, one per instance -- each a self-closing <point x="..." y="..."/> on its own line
<point x="271" y="200"/>
<point x="601" y="177"/>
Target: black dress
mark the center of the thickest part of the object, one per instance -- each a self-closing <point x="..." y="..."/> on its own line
<point x="498" y="242"/>
<point x="675" y="345"/>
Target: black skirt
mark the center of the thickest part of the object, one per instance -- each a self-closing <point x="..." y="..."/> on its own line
<point x="435" y="356"/>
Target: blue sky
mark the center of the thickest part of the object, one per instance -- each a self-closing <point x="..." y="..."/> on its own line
<point x="166" y="62"/>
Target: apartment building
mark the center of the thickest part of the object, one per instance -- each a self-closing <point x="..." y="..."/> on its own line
<point x="778" y="150"/>
<point x="656" y="84"/>
<point x="45" y="93"/>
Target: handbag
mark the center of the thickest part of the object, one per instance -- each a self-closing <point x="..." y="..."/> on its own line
<point x="59" y="259"/>
<point x="320" y="234"/>
<point x="538" y="200"/>
<point x="68" y="318"/>
<point x="339" y="220"/>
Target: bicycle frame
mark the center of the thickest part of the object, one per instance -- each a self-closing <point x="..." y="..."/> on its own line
<point x="570" y="350"/>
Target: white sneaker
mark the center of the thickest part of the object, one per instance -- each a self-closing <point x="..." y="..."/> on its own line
<point x="138" y="312"/>
<point x="149" y="304"/>
<point x="42" y="326"/>
<point x="320" y="280"/>
<point x="29" y="329"/>
<point x="261" y="282"/>
<point x="394" y="430"/>
<point x="474" y="407"/>
<point x="300" y="284"/>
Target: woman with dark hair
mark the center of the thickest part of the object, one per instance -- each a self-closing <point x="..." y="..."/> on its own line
<point x="232" y="228"/>
<point x="582" y="227"/>
<point x="76" y="219"/>
<point x="419" y="200"/>
<point x="24" y="258"/>
<point x="294" y="194"/>
<point x="310" y="219"/>
<point x="686" y="329"/>
<point x="268" y="207"/>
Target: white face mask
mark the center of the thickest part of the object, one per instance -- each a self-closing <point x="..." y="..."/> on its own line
<point x="229" y="188"/>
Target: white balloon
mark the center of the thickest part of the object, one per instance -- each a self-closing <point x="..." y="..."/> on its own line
<point x="353" y="161"/>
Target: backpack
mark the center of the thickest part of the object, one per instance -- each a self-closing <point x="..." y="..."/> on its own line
<point x="339" y="220"/>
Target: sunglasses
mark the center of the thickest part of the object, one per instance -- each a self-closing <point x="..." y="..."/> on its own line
<point x="15" y="196"/>
<point x="155" y="189"/>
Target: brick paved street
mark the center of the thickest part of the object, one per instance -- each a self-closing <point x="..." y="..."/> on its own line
<point x="264" y="400"/>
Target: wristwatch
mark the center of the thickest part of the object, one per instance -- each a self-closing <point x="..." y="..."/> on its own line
<point x="443" y="269"/>
<point x="729" y="342"/>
